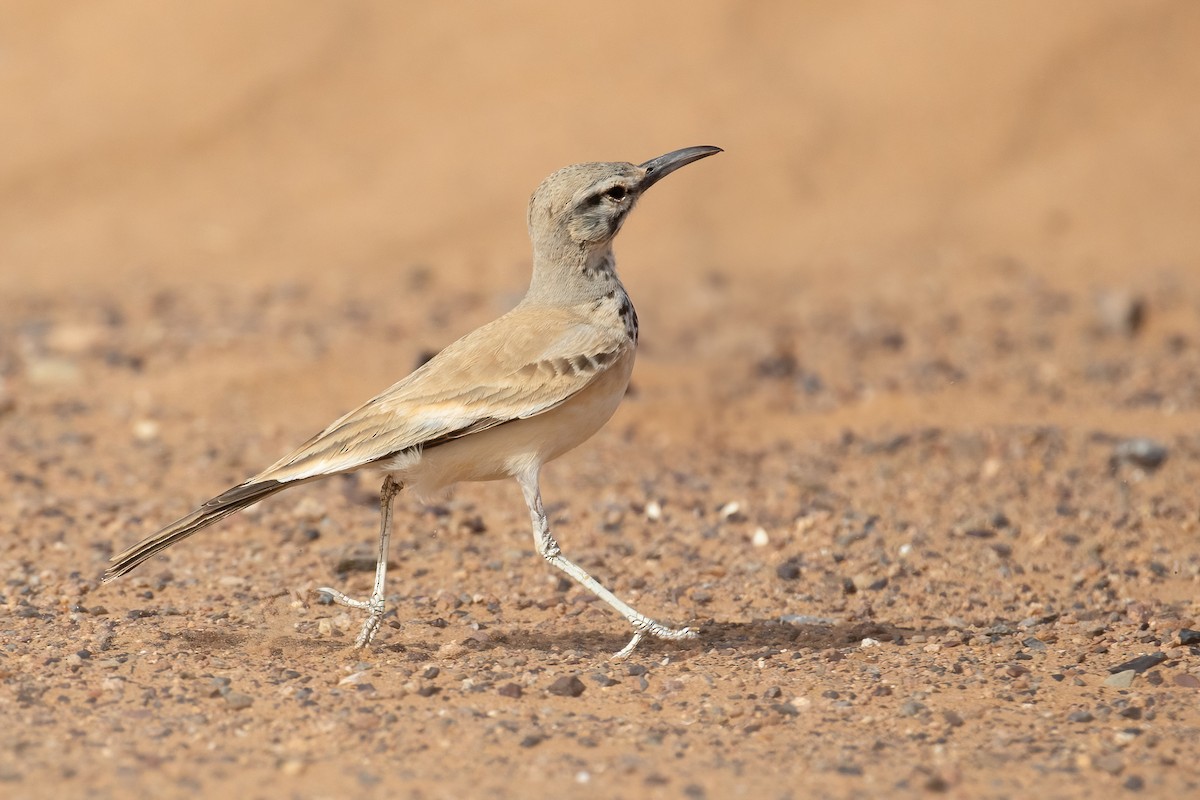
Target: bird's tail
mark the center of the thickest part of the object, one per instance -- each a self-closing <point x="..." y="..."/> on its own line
<point x="221" y="506"/>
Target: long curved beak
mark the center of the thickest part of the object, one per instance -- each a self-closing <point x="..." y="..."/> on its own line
<point x="659" y="168"/>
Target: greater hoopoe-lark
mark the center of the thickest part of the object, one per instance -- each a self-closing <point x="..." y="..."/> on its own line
<point x="499" y="402"/>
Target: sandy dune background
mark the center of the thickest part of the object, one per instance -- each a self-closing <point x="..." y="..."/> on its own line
<point x="914" y="436"/>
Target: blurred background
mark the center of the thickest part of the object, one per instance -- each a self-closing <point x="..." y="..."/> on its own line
<point x="266" y="140"/>
<point x="883" y="161"/>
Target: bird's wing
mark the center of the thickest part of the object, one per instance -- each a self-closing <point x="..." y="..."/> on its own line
<point x="525" y="363"/>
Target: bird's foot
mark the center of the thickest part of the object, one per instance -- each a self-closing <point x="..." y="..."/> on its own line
<point x="658" y="631"/>
<point x="374" y="606"/>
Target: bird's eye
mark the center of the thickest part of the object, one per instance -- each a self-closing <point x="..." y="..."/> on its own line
<point x="616" y="193"/>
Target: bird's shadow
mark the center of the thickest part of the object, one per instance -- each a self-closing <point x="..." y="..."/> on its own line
<point x="753" y="638"/>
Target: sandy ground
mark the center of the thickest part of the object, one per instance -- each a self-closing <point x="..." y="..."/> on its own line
<point x="914" y="436"/>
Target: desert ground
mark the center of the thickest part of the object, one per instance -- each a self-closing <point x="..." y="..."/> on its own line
<point x="913" y="438"/>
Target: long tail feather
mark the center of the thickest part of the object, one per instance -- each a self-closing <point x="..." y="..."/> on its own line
<point x="214" y="510"/>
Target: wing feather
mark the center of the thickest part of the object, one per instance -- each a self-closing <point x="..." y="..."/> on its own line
<point x="526" y="363"/>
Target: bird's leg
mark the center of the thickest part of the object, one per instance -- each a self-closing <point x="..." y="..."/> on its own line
<point x="375" y="603"/>
<point x="549" y="550"/>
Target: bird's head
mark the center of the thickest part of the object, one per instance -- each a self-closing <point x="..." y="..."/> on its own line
<point x="584" y="205"/>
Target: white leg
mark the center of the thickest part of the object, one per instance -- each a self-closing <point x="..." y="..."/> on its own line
<point x="549" y="550"/>
<point x="375" y="603"/>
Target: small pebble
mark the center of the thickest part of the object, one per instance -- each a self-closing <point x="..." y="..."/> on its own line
<point x="52" y="371"/>
<point x="567" y="686"/>
<point x="1144" y="453"/>
<point x="788" y="570"/>
<point x="731" y="511"/>
<point x="353" y="678"/>
<point x="238" y="700"/>
<point x="1120" y="311"/>
<point x="145" y="430"/>
<point x="1187" y="681"/>
<point x="1121" y="680"/>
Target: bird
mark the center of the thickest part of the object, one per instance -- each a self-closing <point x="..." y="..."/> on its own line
<point x="498" y="403"/>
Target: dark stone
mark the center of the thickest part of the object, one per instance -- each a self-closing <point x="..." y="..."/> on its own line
<point x="980" y="533"/>
<point x="1188" y="636"/>
<point x="937" y="783"/>
<point x="1141" y="663"/>
<point x="567" y="686"/>
<point x="512" y="690"/>
<point x="788" y="570"/>
<point x="1139" y="452"/>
